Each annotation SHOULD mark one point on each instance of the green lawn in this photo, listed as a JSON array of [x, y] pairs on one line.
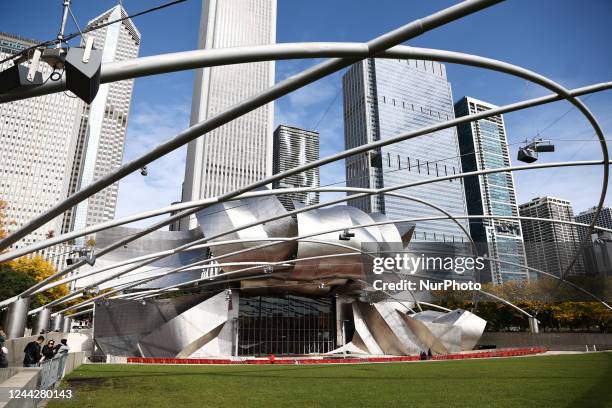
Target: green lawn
[[583, 380]]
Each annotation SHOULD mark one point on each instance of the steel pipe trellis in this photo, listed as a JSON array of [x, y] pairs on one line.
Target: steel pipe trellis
[[323, 69], [310, 75]]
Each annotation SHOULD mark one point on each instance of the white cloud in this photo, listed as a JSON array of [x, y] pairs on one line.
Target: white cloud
[[149, 126]]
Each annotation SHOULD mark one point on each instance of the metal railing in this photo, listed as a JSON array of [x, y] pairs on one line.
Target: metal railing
[[52, 371]]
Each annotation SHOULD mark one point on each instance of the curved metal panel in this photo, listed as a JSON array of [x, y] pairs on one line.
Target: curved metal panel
[[471, 326], [340, 216], [220, 218]]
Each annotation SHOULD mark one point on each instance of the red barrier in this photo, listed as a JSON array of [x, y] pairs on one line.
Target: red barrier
[[349, 360]]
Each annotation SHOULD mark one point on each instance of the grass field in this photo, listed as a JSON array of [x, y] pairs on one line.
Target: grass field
[[581, 380]]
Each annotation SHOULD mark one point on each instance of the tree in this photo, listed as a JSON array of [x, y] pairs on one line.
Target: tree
[[38, 268], [13, 282]]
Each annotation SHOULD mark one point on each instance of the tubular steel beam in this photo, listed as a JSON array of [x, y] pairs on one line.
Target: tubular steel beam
[[297, 81], [422, 53], [204, 58], [467, 60], [43, 285], [151, 258], [477, 61], [144, 280]]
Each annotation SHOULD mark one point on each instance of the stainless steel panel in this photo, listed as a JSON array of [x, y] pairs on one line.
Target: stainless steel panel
[[189, 331], [220, 218]]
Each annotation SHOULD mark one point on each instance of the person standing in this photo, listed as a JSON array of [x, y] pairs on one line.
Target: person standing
[[48, 351], [32, 352], [62, 348]]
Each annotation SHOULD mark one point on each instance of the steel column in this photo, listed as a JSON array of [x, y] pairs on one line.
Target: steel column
[[16, 318], [42, 321]]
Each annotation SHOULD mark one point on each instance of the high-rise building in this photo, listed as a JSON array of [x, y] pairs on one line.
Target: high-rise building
[[483, 145], [550, 246], [604, 219], [38, 137], [100, 145], [383, 98], [294, 147], [239, 152]]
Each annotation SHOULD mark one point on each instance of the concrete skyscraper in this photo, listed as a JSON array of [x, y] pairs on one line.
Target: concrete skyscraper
[[294, 147], [38, 137], [101, 141], [550, 246], [484, 145], [604, 219], [239, 152], [383, 98], [598, 253]]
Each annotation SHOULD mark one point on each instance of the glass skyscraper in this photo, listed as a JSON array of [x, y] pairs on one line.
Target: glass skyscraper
[[383, 98], [484, 145]]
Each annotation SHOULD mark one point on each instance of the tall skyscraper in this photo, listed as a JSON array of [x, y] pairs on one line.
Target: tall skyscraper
[[383, 98], [294, 147], [239, 152], [550, 246], [483, 145], [101, 141], [38, 137], [604, 219]]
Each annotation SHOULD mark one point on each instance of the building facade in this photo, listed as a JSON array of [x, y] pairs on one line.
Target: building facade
[[294, 147], [549, 246], [604, 219], [38, 139], [483, 145], [240, 152], [383, 98], [103, 126]]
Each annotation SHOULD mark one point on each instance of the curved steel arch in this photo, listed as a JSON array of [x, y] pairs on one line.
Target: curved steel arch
[[237, 272], [147, 259], [359, 226], [585, 111], [442, 56], [374, 46], [331, 202], [204, 202], [552, 275], [182, 214], [206, 58], [38, 287], [176, 270], [196, 244], [144, 280]]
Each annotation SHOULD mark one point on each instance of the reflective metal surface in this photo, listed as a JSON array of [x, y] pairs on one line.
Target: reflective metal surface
[[15, 318], [119, 324], [152, 243], [387, 328], [340, 216], [188, 332], [57, 322], [42, 321], [220, 218]]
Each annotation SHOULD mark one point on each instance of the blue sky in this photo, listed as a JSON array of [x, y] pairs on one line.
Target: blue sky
[[567, 41]]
